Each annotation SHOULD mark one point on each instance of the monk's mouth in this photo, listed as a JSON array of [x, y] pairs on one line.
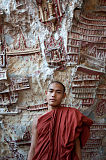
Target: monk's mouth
[[52, 100]]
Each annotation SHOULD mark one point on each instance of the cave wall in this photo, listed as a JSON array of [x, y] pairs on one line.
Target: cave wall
[[42, 41]]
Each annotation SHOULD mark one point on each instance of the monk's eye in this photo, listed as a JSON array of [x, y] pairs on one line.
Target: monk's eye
[[59, 92], [50, 91]]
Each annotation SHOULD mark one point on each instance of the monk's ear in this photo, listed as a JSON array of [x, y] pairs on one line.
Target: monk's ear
[[64, 95], [46, 92]]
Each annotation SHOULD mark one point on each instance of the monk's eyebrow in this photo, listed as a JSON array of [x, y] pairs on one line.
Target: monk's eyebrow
[[59, 90], [50, 89]]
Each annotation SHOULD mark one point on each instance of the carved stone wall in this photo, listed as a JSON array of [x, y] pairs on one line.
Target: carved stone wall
[[41, 41]]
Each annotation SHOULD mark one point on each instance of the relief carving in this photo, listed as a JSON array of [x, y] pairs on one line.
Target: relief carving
[[84, 86], [21, 49], [50, 12], [86, 41], [55, 53]]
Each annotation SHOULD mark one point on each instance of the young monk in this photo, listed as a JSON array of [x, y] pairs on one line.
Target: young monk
[[62, 132]]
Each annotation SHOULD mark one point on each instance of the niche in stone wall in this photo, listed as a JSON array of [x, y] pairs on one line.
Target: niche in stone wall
[[55, 53], [50, 13]]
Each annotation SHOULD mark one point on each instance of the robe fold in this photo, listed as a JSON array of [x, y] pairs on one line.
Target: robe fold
[[57, 131]]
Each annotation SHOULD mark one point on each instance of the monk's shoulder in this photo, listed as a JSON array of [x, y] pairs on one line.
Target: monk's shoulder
[[72, 110], [80, 116], [45, 116], [75, 110]]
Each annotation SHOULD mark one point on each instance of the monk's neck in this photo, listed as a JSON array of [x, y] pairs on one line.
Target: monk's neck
[[50, 108]]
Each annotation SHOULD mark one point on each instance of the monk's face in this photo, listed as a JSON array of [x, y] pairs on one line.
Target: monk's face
[[55, 94]]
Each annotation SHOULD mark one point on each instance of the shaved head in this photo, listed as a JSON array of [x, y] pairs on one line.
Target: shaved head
[[57, 83]]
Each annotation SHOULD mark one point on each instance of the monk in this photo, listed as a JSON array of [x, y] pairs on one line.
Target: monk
[[60, 133]]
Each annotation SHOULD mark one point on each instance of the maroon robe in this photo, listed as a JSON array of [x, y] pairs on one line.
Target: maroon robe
[[57, 131]]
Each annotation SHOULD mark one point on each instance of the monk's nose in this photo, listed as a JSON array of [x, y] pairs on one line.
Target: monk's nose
[[53, 94]]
